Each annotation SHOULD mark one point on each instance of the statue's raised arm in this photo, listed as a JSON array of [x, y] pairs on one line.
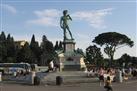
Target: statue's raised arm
[[64, 24], [69, 17]]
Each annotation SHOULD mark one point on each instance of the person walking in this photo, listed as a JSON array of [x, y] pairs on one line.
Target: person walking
[[108, 85]]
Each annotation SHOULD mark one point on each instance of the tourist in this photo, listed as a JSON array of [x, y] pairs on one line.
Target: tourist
[[50, 67], [108, 85], [101, 75], [119, 77], [91, 73]]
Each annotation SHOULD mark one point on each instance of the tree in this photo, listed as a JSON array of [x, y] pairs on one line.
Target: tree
[[94, 56], [3, 48], [134, 62], [34, 46], [60, 45], [25, 54], [47, 50], [56, 46], [2, 37], [112, 41], [11, 52], [125, 60], [80, 51]]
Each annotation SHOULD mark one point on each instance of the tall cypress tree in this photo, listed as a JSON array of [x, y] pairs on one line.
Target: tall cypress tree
[[47, 50], [11, 53], [2, 37], [3, 48], [34, 46], [60, 45], [56, 46]]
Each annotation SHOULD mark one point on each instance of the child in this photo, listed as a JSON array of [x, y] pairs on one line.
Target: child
[[108, 86]]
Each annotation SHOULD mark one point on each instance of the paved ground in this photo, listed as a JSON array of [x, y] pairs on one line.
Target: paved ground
[[76, 81], [126, 86]]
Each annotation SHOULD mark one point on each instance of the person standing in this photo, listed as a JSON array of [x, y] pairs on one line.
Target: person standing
[[101, 76], [119, 77], [51, 65]]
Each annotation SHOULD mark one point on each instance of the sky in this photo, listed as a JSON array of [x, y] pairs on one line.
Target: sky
[[23, 18]]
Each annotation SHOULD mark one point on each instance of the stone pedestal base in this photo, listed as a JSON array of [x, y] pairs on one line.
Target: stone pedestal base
[[71, 63], [69, 60]]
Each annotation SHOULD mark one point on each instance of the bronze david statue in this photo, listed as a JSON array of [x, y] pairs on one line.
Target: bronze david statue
[[64, 24]]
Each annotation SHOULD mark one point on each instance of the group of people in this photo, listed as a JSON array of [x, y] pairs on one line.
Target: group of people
[[108, 75], [52, 67], [19, 73], [106, 79]]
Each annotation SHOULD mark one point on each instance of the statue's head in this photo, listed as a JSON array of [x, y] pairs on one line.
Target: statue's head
[[65, 12]]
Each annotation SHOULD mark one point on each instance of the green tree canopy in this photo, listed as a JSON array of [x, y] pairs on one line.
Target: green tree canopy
[[60, 45], [94, 56], [47, 50], [25, 54], [112, 41], [56, 46], [34, 46], [125, 59], [80, 51], [3, 47], [11, 52], [2, 37]]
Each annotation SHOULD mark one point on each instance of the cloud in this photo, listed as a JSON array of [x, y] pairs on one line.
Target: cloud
[[45, 21], [9, 8], [94, 18], [48, 13], [50, 17], [47, 17], [84, 42]]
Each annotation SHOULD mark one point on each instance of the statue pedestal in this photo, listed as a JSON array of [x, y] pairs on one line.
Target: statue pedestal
[[69, 45], [71, 63], [69, 59]]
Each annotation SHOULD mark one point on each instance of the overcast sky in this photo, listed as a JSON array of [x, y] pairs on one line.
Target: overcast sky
[[22, 18]]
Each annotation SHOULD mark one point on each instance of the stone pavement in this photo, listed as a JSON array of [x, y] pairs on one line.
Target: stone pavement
[[69, 77], [126, 86], [50, 78], [73, 81]]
